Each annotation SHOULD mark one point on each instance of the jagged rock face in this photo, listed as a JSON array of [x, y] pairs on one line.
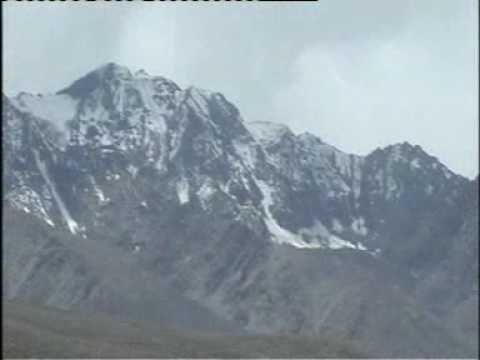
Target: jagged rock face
[[275, 231], [414, 203], [460, 270]]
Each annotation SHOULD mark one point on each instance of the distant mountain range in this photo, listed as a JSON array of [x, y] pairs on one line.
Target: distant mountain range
[[124, 193]]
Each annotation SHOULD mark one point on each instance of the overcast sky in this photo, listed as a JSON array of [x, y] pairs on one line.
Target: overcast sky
[[359, 74]]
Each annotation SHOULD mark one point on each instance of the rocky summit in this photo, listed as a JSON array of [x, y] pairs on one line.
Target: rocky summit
[[126, 194]]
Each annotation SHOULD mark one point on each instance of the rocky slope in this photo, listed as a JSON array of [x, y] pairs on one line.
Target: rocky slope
[[258, 227]]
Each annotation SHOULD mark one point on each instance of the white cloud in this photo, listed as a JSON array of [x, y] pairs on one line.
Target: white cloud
[[372, 93]]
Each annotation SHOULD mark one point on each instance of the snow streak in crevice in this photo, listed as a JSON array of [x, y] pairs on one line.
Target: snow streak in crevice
[[72, 224]]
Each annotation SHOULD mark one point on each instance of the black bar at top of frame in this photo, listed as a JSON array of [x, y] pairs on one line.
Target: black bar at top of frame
[[162, 0]]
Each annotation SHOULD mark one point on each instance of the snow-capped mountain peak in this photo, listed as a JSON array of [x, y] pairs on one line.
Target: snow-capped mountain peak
[[277, 231], [140, 122]]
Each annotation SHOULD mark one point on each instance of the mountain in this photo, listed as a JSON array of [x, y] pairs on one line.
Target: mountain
[[124, 193]]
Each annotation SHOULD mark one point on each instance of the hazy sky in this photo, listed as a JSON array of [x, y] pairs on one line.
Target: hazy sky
[[359, 74]]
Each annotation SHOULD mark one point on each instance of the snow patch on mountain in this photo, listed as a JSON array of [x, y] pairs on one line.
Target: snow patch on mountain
[[267, 133], [358, 226], [72, 224], [183, 191], [279, 234], [148, 93], [198, 99], [58, 109], [25, 199], [334, 243], [446, 172], [397, 151], [247, 153], [113, 70], [142, 74], [132, 170], [206, 191], [337, 226], [326, 239], [315, 237], [98, 192], [415, 164]]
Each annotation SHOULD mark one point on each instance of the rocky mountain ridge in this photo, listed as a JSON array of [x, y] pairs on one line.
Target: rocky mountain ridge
[[259, 225]]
